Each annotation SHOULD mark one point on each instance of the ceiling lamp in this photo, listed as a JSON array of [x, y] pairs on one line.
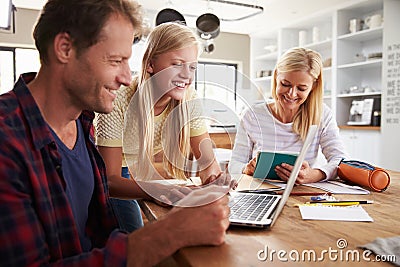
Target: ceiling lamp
[[169, 15], [207, 26]]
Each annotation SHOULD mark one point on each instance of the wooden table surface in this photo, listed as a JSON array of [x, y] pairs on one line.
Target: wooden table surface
[[291, 234]]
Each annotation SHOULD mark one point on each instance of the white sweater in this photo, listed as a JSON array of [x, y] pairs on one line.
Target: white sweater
[[260, 130]]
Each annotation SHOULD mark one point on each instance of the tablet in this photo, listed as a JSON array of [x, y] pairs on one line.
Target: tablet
[[267, 161]]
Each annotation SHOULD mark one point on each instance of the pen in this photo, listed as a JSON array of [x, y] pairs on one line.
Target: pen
[[309, 193], [272, 192], [259, 191], [349, 202]]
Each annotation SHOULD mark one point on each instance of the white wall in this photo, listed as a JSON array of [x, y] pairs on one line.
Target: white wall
[[391, 93], [25, 19]]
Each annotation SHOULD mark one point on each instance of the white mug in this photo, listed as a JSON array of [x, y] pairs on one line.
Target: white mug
[[355, 25], [315, 34], [374, 21], [302, 38]]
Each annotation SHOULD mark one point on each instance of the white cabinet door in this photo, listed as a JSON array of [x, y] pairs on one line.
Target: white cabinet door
[[362, 145], [348, 141]]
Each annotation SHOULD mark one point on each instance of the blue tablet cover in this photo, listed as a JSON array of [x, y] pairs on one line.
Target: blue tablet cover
[[266, 162]]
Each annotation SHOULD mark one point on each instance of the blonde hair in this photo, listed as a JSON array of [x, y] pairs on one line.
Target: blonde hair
[[303, 59], [164, 38]]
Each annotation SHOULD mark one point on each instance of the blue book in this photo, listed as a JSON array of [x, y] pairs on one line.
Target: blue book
[[267, 160]]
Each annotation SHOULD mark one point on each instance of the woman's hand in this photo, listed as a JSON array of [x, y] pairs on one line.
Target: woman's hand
[[250, 167], [305, 176]]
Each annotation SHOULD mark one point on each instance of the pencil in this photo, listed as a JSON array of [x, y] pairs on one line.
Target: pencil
[[331, 204]]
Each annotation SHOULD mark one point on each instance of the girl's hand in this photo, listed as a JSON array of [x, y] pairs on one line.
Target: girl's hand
[[223, 178]]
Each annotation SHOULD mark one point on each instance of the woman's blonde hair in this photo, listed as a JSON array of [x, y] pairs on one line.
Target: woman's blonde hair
[[303, 59], [164, 38]]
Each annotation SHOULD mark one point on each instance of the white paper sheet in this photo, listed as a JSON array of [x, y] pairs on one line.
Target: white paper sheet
[[333, 213], [336, 187]]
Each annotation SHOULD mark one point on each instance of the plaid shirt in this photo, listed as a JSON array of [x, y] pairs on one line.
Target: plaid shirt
[[37, 226]]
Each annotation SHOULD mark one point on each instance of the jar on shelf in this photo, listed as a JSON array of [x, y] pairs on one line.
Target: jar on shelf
[[376, 118]]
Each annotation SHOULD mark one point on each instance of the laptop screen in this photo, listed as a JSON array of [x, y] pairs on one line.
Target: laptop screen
[[296, 169]]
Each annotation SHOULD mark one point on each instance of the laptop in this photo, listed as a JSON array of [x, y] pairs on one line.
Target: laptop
[[262, 210]]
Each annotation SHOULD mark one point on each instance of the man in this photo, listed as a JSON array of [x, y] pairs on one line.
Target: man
[[53, 191]]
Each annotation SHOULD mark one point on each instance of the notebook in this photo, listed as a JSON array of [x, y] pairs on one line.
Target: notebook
[[262, 210], [267, 161]]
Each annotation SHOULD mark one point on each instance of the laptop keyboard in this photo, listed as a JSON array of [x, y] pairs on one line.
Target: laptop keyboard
[[250, 207]]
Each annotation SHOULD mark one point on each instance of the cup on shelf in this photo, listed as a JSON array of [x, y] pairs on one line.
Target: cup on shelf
[[368, 89], [267, 73], [359, 58], [355, 25], [373, 21], [263, 73], [270, 48], [315, 34], [376, 118], [355, 90], [302, 38], [327, 62]]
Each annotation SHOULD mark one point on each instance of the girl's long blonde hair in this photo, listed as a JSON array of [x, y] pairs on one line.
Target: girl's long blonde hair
[[303, 59], [164, 38]]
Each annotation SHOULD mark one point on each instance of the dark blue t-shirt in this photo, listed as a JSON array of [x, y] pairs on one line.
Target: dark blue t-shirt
[[79, 178]]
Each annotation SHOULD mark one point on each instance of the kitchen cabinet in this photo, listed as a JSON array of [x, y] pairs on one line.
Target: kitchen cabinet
[[352, 61], [359, 59], [362, 145], [353, 64], [264, 54]]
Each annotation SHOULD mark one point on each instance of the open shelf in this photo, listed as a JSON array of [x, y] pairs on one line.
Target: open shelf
[[364, 35], [359, 94]]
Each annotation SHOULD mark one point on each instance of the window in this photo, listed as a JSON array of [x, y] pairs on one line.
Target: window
[[7, 69], [217, 81], [15, 61], [26, 60], [216, 84], [135, 61]]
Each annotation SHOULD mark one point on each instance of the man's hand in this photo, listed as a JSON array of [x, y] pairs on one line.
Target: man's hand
[[205, 223], [202, 219]]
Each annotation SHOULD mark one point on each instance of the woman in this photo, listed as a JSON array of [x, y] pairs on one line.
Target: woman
[[157, 116], [282, 125]]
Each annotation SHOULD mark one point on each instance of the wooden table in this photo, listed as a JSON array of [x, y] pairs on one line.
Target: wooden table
[[292, 235]]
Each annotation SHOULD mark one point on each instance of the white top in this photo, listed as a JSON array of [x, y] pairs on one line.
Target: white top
[[260, 130]]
